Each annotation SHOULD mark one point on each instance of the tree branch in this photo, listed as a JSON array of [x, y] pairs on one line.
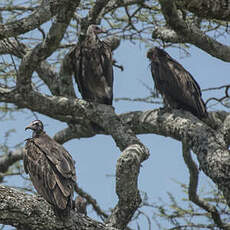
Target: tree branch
[[41, 15], [43, 50], [12, 46], [127, 171], [33, 212], [92, 201], [225, 129], [167, 35], [95, 11], [65, 80], [9, 159], [44, 70], [193, 184], [193, 34], [211, 9]]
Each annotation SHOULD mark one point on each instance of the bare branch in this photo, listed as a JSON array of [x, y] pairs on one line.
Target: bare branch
[[19, 8], [21, 210], [12, 46], [216, 88], [112, 5], [193, 184], [75, 131], [65, 80], [193, 34], [9, 159], [43, 50], [127, 171], [213, 9], [93, 202], [41, 15], [49, 76], [225, 129]]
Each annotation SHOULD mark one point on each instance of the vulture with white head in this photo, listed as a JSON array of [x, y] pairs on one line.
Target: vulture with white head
[[51, 169], [176, 85], [93, 67]]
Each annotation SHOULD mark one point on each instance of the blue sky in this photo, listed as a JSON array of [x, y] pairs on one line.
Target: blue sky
[[96, 157]]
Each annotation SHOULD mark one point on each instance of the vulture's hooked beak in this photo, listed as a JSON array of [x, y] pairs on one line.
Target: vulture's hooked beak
[[30, 126]]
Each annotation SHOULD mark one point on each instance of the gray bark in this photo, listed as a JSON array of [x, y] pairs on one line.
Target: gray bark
[[214, 9], [209, 144], [190, 33], [33, 212]]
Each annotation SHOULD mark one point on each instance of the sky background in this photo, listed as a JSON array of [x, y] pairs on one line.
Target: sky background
[[96, 157]]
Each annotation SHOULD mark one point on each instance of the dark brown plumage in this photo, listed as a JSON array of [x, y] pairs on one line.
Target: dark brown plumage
[[93, 70], [51, 169], [176, 85]]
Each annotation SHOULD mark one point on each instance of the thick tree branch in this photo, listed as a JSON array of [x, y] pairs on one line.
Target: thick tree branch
[[225, 129], [211, 9], [41, 15], [32, 212], [127, 171], [128, 164], [193, 34], [76, 131], [43, 50], [49, 76]]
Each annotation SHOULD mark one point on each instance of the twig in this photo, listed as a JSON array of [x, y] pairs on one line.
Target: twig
[[91, 201], [193, 184]]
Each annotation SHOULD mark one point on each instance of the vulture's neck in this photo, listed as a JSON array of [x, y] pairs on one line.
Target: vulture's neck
[[37, 133], [92, 39]]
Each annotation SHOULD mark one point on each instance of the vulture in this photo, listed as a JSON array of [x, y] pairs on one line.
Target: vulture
[[51, 169], [93, 67], [176, 85]]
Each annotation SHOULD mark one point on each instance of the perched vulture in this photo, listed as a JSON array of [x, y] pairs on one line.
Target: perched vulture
[[80, 205], [51, 169], [93, 69], [176, 85]]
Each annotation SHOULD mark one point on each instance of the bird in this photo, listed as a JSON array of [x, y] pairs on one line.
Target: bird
[[80, 205], [51, 169], [176, 85], [92, 65]]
